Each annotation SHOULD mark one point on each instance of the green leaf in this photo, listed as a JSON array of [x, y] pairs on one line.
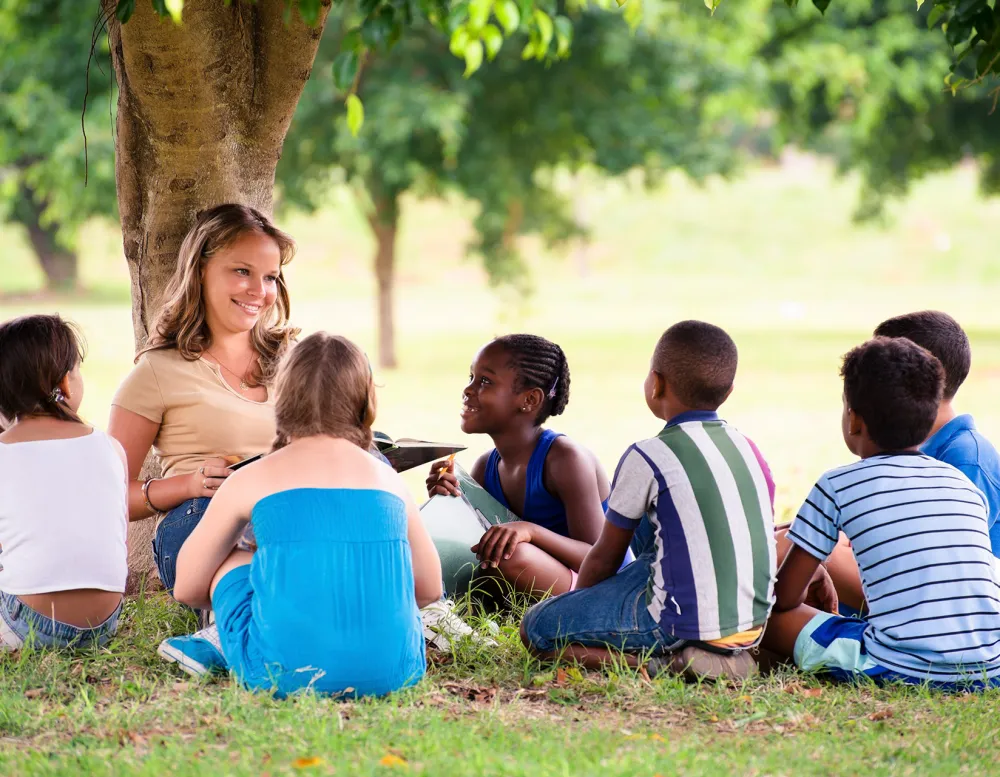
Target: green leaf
[[355, 114], [376, 30], [564, 35], [124, 10], [479, 13], [309, 11], [175, 8], [633, 14], [459, 40], [492, 40], [473, 57], [936, 13], [345, 70], [822, 5], [352, 40], [988, 61], [529, 51], [544, 24], [160, 6], [711, 5], [508, 15], [919, 4]]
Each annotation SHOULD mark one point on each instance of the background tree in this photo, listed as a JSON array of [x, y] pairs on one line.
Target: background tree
[[673, 93], [865, 85], [43, 82]]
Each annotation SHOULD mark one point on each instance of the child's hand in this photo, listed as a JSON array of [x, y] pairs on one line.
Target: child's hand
[[499, 542], [821, 593], [442, 480]]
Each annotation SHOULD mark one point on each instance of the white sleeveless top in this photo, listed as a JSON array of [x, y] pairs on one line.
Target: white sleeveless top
[[63, 516]]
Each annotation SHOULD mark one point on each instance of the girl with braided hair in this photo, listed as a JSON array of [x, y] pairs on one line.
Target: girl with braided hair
[[556, 486]]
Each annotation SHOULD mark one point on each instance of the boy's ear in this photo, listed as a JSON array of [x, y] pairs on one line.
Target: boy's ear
[[659, 384], [855, 423]]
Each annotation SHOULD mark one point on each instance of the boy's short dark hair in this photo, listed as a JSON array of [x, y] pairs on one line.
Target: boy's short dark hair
[[895, 386], [940, 334], [699, 361]]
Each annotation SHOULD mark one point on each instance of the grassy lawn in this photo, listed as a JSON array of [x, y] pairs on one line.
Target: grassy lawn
[[774, 259]]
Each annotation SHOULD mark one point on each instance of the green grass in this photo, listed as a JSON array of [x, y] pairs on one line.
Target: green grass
[[775, 259]]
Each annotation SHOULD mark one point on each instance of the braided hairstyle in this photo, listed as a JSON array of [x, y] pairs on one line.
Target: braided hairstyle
[[539, 363]]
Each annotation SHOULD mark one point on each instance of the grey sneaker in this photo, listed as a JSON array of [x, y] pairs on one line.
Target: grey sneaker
[[693, 663], [442, 626]]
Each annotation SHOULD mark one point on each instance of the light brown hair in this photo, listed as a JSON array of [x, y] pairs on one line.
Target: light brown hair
[[38, 351], [181, 321], [325, 386]]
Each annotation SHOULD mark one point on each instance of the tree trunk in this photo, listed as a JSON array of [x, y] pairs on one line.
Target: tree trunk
[[58, 263], [384, 222], [203, 108]]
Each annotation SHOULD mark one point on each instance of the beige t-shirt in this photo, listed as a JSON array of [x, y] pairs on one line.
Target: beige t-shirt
[[200, 415]]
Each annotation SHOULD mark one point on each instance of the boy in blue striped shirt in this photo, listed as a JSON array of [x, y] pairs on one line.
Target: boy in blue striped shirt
[[918, 531]]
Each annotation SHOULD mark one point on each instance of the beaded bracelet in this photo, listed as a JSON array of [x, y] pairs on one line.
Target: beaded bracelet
[[145, 495]]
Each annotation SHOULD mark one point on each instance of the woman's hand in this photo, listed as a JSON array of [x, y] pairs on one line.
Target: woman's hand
[[499, 542], [205, 481], [442, 480]]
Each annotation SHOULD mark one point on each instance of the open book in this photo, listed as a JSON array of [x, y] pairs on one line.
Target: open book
[[456, 524], [407, 453]]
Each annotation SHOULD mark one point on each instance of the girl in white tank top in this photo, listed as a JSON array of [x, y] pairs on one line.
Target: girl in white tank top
[[64, 514]]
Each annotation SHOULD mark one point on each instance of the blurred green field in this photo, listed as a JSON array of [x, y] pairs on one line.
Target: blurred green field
[[773, 257]]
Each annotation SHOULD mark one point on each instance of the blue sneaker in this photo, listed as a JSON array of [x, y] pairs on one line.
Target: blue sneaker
[[198, 654]]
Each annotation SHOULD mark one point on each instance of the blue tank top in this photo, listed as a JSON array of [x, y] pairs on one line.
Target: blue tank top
[[540, 507], [334, 604]]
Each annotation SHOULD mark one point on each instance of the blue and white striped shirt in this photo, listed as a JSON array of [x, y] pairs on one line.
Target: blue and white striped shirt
[[918, 528]]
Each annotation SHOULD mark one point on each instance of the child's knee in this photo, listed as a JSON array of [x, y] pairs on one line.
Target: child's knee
[[520, 561]]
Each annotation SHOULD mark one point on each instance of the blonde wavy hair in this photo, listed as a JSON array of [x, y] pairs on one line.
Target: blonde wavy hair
[[181, 321], [325, 386]]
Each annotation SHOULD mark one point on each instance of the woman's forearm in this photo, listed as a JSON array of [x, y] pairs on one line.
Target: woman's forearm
[[164, 494]]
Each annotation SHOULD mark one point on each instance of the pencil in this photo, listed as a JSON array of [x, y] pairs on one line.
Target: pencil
[[451, 460]]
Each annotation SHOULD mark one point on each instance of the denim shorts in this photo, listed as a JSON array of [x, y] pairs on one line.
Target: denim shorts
[[611, 614], [173, 530], [19, 624]]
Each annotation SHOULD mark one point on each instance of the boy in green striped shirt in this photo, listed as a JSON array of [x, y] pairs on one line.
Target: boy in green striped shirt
[[696, 505]]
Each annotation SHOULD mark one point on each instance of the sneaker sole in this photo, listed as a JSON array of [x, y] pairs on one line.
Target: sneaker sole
[[189, 665], [693, 665]]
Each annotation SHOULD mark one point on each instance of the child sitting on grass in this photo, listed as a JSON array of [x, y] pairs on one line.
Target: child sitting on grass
[[329, 600], [63, 504], [556, 486], [952, 439], [700, 590], [918, 531]]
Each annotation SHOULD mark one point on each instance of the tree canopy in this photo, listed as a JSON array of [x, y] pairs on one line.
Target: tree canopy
[[865, 85], [44, 81], [670, 94]]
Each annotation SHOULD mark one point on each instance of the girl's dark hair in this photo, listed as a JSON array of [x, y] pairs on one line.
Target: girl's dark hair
[[36, 352], [539, 363]]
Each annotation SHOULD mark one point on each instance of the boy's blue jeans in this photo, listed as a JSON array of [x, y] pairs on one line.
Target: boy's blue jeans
[[610, 614]]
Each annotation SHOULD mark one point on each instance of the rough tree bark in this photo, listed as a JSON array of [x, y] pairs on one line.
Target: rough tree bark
[[58, 263], [203, 109], [384, 223]]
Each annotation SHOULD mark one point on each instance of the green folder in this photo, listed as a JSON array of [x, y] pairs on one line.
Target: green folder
[[456, 524]]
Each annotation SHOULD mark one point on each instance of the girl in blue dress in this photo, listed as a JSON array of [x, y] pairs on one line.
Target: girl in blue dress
[[330, 598]]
